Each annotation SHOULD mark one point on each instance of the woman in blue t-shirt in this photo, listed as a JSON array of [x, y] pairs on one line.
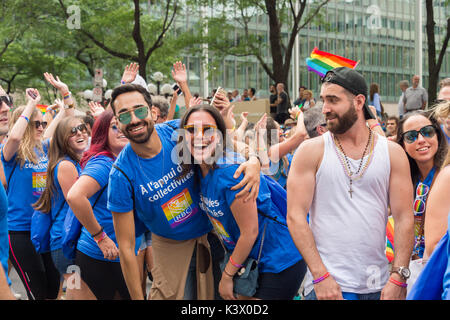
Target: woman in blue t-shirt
[[66, 148], [243, 231], [24, 158], [97, 254]]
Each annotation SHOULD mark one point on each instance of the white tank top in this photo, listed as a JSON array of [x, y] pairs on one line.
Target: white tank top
[[350, 233]]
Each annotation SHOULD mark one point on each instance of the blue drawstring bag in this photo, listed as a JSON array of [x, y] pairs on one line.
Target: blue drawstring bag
[[41, 224], [72, 230], [70, 234]]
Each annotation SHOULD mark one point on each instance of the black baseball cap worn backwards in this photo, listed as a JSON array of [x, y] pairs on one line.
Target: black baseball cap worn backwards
[[352, 81]]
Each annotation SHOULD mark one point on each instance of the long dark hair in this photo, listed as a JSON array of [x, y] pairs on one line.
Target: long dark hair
[[99, 138], [441, 152], [58, 150], [221, 127]]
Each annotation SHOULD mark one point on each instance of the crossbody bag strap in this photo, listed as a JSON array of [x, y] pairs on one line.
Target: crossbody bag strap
[[98, 198], [131, 185], [10, 176]]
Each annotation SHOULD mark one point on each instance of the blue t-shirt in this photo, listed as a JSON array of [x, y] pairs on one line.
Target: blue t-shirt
[[59, 207], [4, 240], [281, 174], [25, 187], [98, 168], [278, 251], [446, 136], [168, 206]]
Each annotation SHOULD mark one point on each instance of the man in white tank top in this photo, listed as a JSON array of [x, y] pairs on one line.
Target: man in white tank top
[[346, 179]]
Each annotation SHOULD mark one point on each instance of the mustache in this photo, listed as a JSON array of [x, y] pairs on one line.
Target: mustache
[[134, 125], [331, 115]]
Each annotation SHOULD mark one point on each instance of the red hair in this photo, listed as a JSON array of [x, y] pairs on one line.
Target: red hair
[[99, 138]]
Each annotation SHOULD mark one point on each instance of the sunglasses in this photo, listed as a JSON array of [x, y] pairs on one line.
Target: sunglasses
[[207, 130], [81, 127], [412, 135], [38, 123], [419, 203], [6, 99], [141, 113]]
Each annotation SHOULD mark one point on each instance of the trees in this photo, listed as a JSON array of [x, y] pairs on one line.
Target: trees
[[434, 65], [294, 14], [122, 30]]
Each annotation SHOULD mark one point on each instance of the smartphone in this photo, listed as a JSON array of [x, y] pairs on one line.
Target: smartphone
[[177, 89]]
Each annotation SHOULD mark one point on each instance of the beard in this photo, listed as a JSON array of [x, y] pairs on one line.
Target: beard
[[344, 122], [142, 138]]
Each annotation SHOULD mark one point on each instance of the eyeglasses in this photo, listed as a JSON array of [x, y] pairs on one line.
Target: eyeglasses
[[38, 123], [207, 130], [419, 202], [141, 113], [6, 99], [412, 135], [81, 127]]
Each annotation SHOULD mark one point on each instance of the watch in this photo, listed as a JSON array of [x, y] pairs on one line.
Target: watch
[[404, 272]]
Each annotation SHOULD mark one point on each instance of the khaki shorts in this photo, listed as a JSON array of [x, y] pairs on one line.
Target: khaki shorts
[[171, 264]]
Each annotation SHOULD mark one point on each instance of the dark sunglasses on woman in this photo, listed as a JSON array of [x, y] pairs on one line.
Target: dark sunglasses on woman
[[81, 127], [412, 135], [38, 123], [6, 99]]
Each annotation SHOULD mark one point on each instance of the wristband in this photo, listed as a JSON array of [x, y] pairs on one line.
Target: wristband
[[225, 271], [102, 237], [398, 283], [374, 125], [26, 118], [98, 233], [316, 281], [122, 82], [67, 95], [236, 265]]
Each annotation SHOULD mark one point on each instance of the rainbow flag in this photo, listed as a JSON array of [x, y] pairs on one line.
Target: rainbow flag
[[42, 107], [321, 62], [390, 239]]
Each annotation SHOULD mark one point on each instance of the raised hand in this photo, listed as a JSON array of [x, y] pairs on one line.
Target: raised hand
[[57, 83], [96, 108], [33, 96], [130, 73], [195, 101], [179, 72]]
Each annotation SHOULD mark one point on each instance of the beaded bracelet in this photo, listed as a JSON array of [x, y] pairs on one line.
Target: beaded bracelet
[[398, 283], [236, 265], [316, 281], [26, 118]]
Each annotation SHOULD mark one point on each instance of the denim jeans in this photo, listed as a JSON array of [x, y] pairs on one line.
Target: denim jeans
[[365, 296]]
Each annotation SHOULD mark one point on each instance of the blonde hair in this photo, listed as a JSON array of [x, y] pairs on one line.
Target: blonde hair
[[441, 110], [28, 144]]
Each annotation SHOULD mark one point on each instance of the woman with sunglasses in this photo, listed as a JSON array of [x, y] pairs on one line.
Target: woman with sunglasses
[[255, 229], [24, 158], [97, 254], [66, 149], [421, 137]]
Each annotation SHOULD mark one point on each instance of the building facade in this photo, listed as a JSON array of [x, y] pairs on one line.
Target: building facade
[[381, 34]]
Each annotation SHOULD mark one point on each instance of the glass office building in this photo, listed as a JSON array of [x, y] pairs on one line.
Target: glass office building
[[381, 34]]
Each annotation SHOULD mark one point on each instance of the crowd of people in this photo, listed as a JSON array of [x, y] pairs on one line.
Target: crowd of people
[[293, 206]]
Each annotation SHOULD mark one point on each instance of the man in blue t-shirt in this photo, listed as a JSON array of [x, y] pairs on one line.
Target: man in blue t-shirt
[[145, 180]]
